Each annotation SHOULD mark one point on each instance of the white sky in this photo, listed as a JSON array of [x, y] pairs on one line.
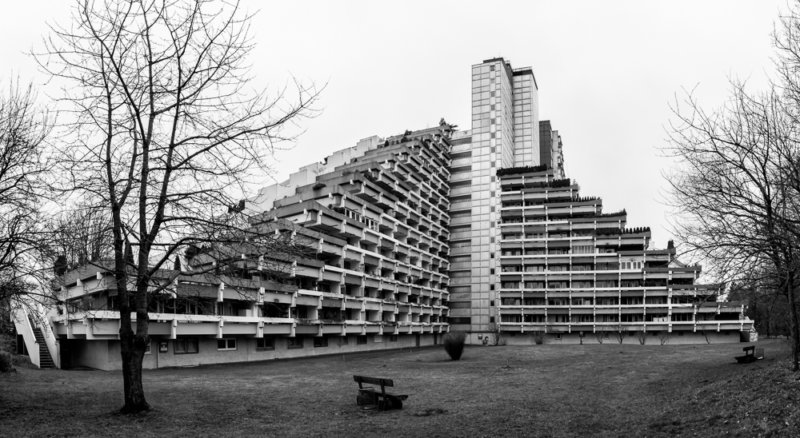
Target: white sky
[[607, 72]]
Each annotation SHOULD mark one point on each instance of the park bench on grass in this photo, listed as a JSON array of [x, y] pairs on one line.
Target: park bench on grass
[[368, 396], [750, 354]]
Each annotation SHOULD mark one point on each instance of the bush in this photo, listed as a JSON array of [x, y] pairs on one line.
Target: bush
[[454, 344], [538, 338], [5, 362]]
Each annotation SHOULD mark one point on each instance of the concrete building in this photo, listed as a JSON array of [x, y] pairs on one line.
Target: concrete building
[[505, 133], [568, 272], [406, 238], [550, 149], [372, 225], [508, 169]]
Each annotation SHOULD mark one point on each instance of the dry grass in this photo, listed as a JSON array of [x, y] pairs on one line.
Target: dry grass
[[543, 390]]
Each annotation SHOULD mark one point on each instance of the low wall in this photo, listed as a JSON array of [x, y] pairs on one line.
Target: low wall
[[105, 355]]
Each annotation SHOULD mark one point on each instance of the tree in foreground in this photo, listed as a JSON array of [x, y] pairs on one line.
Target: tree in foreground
[[738, 188], [165, 136]]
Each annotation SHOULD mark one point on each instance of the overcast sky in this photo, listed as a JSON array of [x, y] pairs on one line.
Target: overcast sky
[[607, 72]]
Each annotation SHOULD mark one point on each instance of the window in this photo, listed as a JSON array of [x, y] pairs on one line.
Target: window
[[147, 348], [343, 340], [186, 346], [294, 342], [226, 344], [360, 340], [459, 320], [392, 338], [320, 342], [263, 344]]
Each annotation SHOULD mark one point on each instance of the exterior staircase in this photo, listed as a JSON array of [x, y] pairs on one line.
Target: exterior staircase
[[45, 360], [39, 340]]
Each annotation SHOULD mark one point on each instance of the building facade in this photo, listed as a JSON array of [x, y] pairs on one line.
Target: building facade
[[372, 273], [404, 239], [505, 133], [569, 272]]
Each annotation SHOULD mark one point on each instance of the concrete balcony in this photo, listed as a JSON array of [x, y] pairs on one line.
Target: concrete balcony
[[637, 326], [105, 325]]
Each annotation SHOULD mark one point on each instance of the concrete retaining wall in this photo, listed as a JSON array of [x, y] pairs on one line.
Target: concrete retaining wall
[[105, 354]]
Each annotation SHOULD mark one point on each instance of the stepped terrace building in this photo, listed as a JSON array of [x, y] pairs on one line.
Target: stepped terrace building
[[568, 272], [406, 238], [373, 220]]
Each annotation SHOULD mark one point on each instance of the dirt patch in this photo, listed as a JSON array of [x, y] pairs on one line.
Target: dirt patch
[[429, 412]]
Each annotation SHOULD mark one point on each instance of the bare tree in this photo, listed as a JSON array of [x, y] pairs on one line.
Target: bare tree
[[620, 334], [732, 190], [23, 130], [80, 235], [601, 335], [641, 336], [766, 303], [167, 134]]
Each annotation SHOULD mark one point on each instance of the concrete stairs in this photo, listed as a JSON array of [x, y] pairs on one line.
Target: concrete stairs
[[45, 360]]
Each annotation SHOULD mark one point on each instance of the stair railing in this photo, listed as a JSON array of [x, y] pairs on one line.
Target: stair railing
[[49, 336], [24, 327]]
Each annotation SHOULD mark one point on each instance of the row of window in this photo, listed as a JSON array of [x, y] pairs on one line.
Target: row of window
[[191, 345]]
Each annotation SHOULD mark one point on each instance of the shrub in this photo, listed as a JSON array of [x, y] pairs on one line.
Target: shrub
[[5, 362], [538, 338], [600, 336], [454, 344]]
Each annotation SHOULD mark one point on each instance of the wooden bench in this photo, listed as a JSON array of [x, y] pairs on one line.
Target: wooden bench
[[368, 396], [749, 354]]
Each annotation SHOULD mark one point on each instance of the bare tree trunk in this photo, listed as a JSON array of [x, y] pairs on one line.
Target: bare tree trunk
[[794, 326], [132, 357]]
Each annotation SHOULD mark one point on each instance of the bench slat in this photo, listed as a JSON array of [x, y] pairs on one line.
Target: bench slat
[[373, 380]]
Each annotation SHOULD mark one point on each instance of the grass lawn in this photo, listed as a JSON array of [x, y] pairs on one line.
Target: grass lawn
[[544, 390]]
